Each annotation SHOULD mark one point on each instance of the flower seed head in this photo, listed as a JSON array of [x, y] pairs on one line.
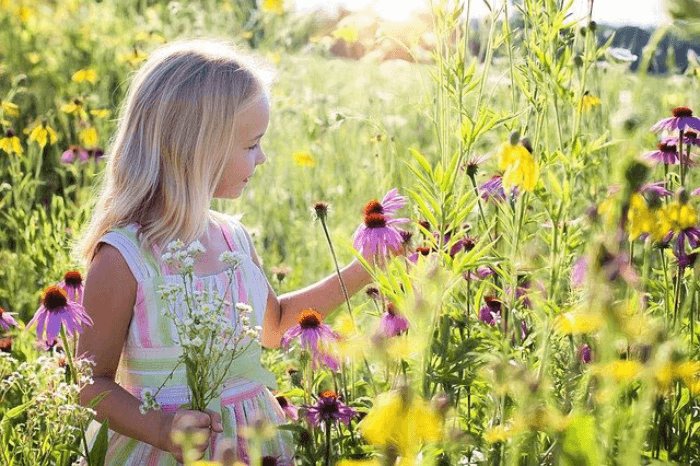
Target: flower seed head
[[9, 133], [514, 138], [321, 210], [329, 394], [73, 278], [682, 112], [375, 220], [310, 319], [6, 345], [391, 309], [373, 207], [371, 291], [54, 298]]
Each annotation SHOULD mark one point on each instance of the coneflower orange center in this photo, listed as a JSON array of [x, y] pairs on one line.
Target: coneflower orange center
[[681, 112], [329, 394], [375, 220], [493, 302], [320, 206], [663, 147], [391, 309], [6, 344], [373, 207], [282, 401], [55, 298], [423, 251], [73, 278], [309, 319], [691, 134]]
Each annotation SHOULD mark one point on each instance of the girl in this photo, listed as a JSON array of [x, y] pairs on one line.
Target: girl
[[190, 131]]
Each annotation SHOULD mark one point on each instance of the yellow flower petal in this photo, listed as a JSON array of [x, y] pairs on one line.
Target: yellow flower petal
[[304, 159], [577, 323], [10, 109], [85, 75], [349, 34], [100, 112], [273, 6], [88, 137]]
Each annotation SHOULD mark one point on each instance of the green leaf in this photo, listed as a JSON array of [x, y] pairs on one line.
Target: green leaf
[[99, 448]]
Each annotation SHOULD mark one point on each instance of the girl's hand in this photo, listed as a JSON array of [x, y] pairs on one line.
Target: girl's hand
[[197, 425]]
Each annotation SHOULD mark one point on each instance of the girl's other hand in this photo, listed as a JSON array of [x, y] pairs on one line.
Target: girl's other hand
[[197, 425]]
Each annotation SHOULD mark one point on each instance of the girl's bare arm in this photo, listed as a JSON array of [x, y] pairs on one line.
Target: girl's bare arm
[[324, 296], [109, 298]]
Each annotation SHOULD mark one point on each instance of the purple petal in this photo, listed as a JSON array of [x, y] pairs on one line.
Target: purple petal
[[289, 335]]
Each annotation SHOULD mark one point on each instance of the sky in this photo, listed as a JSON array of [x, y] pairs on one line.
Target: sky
[[612, 12]]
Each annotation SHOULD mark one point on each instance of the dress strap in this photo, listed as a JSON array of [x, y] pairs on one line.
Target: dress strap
[[235, 237], [142, 265]]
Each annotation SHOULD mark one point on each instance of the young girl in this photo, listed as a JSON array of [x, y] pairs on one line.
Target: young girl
[[190, 131]]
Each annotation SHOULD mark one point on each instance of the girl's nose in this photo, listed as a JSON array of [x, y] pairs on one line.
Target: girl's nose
[[261, 158]]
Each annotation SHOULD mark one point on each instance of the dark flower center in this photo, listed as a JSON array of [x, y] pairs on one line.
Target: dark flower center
[[469, 243], [328, 408], [269, 461], [682, 112], [1, 311], [6, 345], [375, 220], [55, 298], [283, 401], [320, 206], [406, 236], [493, 303], [73, 278], [77, 102], [691, 134], [372, 292], [9, 133], [663, 147], [309, 319], [391, 309], [423, 251], [373, 207], [425, 224], [61, 361], [329, 394]]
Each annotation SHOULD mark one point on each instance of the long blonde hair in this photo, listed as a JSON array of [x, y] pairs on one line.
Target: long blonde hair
[[176, 129]]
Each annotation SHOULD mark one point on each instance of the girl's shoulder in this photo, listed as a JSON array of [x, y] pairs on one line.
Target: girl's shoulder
[[239, 233], [125, 239]]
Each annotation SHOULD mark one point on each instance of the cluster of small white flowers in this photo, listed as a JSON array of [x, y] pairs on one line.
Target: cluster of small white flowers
[[148, 401], [181, 258], [231, 258]]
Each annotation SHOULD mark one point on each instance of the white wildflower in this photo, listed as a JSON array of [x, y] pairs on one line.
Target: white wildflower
[[174, 245], [232, 259], [195, 248]]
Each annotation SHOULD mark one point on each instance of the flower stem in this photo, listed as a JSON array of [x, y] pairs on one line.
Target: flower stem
[[328, 443], [74, 377], [337, 269]]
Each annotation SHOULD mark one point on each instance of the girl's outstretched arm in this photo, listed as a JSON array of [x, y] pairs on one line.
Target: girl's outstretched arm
[[324, 296]]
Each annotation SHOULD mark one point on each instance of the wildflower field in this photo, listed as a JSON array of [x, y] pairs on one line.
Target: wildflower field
[[545, 308]]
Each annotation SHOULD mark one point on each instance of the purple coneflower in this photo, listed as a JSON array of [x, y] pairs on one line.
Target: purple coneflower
[[420, 251], [73, 285], [692, 236], [657, 188], [665, 153], [681, 120], [6, 319], [690, 138], [315, 338], [73, 152], [329, 409], [392, 323], [377, 234], [491, 313], [473, 163], [579, 272], [55, 310], [493, 189], [584, 354], [291, 411], [392, 202]]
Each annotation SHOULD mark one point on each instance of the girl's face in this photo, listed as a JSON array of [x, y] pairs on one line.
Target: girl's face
[[240, 166]]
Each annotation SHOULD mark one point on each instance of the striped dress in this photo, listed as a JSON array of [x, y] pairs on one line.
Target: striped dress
[[151, 352]]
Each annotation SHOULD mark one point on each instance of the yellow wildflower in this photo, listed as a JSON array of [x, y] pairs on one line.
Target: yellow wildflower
[[75, 107], [690, 373], [304, 159], [85, 75], [621, 371], [100, 112], [501, 433], [640, 218], [41, 134], [349, 34], [134, 58], [25, 13], [579, 323], [403, 424], [33, 58], [142, 36], [275, 58], [10, 143], [519, 166], [676, 217], [10, 109], [587, 102], [207, 463], [88, 136], [247, 35], [273, 6]]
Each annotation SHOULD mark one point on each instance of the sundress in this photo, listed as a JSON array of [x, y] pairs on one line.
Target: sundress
[[151, 351]]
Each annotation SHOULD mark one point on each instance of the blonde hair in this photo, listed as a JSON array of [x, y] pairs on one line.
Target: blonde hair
[[176, 129]]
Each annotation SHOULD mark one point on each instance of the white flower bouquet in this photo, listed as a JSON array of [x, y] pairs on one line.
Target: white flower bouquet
[[210, 339]]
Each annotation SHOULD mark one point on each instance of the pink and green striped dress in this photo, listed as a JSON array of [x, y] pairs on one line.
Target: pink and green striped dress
[[151, 352]]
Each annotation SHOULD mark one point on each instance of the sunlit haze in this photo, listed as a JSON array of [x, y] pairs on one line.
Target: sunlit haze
[[613, 12]]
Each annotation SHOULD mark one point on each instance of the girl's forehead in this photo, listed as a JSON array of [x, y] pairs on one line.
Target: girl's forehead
[[252, 122]]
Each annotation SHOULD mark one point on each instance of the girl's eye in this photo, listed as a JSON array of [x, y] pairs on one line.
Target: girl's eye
[[254, 147]]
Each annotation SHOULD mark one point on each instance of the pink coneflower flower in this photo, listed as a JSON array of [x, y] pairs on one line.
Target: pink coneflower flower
[[473, 163], [392, 202], [315, 338], [291, 411], [73, 152], [585, 354], [73, 285], [57, 310], [690, 138], [492, 190], [579, 272], [6, 319], [377, 234], [692, 237], [96, 154], [681, 120], [491, 313], [665, 153], [329, 409], [657, 188], [393, 323]]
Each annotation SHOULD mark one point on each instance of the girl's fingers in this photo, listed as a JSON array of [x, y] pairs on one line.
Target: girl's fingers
[[216, 424]]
